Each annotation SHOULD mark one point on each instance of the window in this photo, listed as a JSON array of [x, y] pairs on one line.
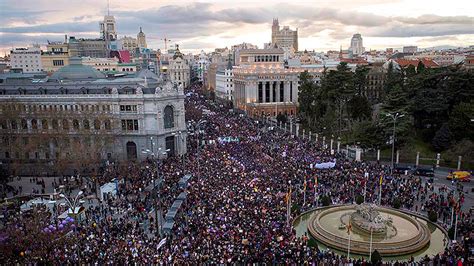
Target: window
[[107, 125], [34, 124], [58, 62], [44, 124], [75, 124], [65, 124], [3, 124], [130, 125], [169, 117], [86, 124], [14, 124], [24, 124], [96, 124], [55, 124]]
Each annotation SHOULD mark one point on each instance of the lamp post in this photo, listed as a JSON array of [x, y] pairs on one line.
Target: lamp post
[[72, 203], [394, 117]]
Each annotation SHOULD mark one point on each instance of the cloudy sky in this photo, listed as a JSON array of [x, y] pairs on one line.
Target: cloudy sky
[[322, 25]]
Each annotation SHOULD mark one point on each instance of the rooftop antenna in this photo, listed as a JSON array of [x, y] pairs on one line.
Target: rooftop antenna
[[108, 7]]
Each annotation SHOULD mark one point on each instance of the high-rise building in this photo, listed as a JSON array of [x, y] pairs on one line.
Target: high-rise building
[[130, 44], [108, 29], [141, 39], [28, 60], [284, 38], [357, 47]]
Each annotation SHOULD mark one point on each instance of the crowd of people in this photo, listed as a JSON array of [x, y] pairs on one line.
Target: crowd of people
[[236, 208]]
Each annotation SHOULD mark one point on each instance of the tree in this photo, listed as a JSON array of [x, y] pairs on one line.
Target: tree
[[460, 121], [282, 118], [326, 200], [358, 108], [359, 199], [433, 216], [360, 79], [376, 258], [393, 78], [396, 203], [442, 139]]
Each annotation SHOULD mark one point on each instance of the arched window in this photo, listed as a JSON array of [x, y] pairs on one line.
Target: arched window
[[107, 125], [55, 124], [169, 116], [34, 124], [14, 124], [65, 124], [44, 124], [75, 124], [96, 124], [24, 124], [86, 124]]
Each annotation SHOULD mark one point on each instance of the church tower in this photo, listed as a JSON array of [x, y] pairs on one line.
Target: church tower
[[275, 29], [141, 39]]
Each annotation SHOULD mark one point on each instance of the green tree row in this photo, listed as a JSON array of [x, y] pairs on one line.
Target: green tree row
[[437, 104]]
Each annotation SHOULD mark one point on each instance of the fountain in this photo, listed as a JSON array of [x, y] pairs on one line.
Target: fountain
[[392, 232]]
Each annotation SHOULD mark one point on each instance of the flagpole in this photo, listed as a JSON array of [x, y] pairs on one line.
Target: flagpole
[[304, 193], [380, 191], [349, 245], [370, 250], [365, 184]]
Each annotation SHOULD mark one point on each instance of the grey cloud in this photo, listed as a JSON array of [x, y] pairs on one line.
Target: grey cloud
[[55, 28], [422, 30]]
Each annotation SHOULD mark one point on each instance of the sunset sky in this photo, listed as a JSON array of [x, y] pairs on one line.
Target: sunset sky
[[322, 25]]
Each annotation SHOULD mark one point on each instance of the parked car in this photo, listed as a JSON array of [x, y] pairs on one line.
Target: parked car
[[424, 172], [402, 169], [462, 176]]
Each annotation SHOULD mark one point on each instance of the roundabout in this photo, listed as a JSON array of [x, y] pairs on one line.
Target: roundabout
[[394, 234]]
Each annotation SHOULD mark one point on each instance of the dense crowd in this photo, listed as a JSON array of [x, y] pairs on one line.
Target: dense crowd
[[236, 209]]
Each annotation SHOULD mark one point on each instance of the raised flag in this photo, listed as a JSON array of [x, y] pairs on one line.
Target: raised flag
[[304, 185], [349, 227], [315, 181], [381, 179], [162, 242]]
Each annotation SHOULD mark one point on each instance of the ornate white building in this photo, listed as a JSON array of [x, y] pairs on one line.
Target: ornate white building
[[202, 65], [262, 84], [225, 82], [357, 46], [179, 70], [45, 122]]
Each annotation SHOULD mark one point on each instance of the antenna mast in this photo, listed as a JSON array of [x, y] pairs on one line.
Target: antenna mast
[[108, 7]]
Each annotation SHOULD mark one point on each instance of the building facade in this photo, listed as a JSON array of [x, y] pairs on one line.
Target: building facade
[[78, 117], [262, 84], [55, 56], [109, 65], [374, 88], [284, 38], [225, 83], [179, 70], [141, 39], [357, 46], [28, 60], [87, 47], [202, 66]]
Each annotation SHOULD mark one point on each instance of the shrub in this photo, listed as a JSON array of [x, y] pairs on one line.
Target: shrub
[[376, 258], [396, 203], [433, 216], [312, 243], [359, 199], [326, 200]]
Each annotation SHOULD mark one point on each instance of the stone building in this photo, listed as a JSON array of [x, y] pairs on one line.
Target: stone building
[[225, 82], [262, 84], [55, 56], [357, 46], [179, 70], [87, 47], [28, 60], [284, 38], [78, 119], [374, 88]]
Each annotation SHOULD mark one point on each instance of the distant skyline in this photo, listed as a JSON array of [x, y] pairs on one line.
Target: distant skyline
[[322, 25]]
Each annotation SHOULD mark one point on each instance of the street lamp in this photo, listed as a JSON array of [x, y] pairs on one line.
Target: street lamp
[[72, 204], [394, 117]]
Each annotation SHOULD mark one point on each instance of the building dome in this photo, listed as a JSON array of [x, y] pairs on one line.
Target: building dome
[[77, 71]]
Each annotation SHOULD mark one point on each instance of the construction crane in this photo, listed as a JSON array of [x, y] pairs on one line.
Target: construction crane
[[166, 43]]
